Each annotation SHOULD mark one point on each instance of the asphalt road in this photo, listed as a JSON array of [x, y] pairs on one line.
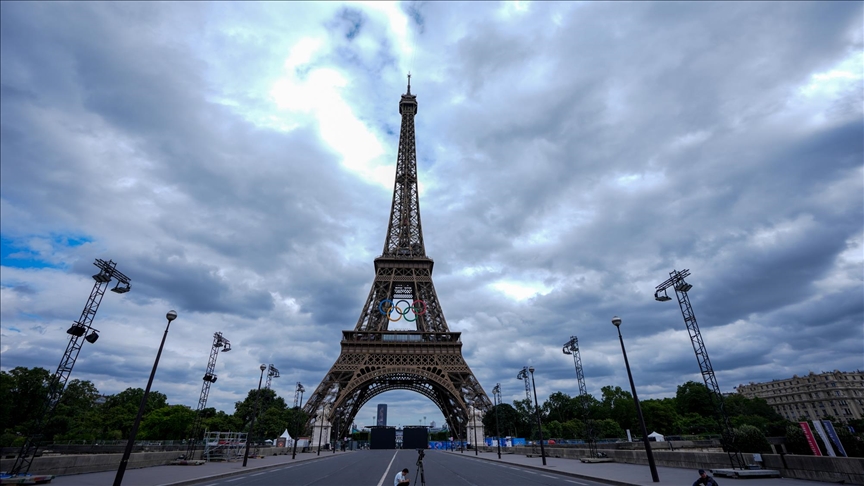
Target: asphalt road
[[378, 467]]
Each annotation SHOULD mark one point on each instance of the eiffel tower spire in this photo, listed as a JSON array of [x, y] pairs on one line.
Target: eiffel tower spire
[[404, 232], [401, 340]]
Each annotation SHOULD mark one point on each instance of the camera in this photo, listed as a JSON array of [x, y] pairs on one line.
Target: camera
[[420, 455]]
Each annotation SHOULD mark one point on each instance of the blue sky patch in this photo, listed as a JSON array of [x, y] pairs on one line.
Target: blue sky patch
[[17, 254]]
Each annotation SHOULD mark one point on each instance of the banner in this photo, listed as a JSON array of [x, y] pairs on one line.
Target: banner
[[811, 441], [818, 426], [829, 427]]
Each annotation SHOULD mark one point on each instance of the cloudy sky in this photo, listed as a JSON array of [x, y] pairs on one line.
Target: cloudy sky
[[237, 161]]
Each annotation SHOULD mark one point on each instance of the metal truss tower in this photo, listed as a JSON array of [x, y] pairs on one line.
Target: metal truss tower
[[219, 344], [572, 347], [523, 375], [681, 287], [401, 340], [81, 327], [298, 395], [272, 372]]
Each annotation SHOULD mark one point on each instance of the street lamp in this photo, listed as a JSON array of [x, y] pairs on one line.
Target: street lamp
[[252, 422], [537, 408], [320, 432], [496, 394], [474, 421], [617, 322], [296, 429], [118, 479]]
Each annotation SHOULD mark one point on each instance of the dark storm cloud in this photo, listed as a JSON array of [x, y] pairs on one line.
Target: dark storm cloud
[[580, 150]]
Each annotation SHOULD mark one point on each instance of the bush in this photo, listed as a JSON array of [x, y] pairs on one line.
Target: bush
[[750, 439]]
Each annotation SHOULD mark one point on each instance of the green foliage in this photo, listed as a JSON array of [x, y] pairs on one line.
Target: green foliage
[[693, 397], [608, 429], [219, 422], [751, 439], [796, 441], [560, 407], [24, 397], [695, 424], [442, 435], [660, 415], [620, 407], [509, 420], [853, 445], [173, 422]]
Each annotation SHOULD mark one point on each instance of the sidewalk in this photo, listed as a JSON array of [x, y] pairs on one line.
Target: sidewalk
[[623, 474], [606, 472], [181, 475]]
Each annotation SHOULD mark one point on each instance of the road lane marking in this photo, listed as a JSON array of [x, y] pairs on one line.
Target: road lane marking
[[576, 482], [548, 476], [388, 469], [258, 474], [236, 479]]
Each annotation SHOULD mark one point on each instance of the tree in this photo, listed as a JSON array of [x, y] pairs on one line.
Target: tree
[[219, 422], [120, 410], [173, 422], [608, 429], [24, 397], [660, 415], [693, 397], [509, 420], [620, 406], [751, 439], [559, 406], [76, 416]]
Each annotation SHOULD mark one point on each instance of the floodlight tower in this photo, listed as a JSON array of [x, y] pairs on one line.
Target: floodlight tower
[[272, 372], [107, 271], [523, 375], [219, 343], [681, 287], [298, 395], [572, 347]]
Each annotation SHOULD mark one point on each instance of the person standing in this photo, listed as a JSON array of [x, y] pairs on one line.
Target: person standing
[[401, 478], [705, 479]]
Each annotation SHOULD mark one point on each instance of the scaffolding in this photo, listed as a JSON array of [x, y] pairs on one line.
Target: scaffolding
[[224, 446]]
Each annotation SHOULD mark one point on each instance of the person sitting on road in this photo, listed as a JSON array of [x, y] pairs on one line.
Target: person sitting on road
[[401, 478], [705, 479]]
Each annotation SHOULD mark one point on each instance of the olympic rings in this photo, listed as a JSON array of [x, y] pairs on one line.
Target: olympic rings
[[417, 308]]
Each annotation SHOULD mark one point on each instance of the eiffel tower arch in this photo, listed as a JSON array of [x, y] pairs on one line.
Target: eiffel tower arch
[[425, 358]]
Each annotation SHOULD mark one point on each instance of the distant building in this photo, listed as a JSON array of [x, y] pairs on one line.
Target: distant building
[[836, 393], [382, 415]]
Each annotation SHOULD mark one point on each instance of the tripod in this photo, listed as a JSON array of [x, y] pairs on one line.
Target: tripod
[[420, 471]]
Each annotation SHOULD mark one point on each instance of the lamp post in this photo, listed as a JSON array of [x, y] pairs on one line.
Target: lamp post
[[252, 422], [474, 421], [296, 431], [320, 432], [617, 322], [118, 479], [495, 393], [537, 409]]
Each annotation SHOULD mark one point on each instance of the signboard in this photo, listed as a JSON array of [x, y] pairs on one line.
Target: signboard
[[829, 427], [811, 441], [818, 426], [382, 415]]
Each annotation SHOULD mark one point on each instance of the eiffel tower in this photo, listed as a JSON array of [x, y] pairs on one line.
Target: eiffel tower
[[426, 359]]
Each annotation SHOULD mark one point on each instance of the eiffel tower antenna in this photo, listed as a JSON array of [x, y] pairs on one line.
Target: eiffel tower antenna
[[425, 358]]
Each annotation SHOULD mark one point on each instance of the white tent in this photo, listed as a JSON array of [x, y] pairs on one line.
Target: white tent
[[657, 436], [288, 440]]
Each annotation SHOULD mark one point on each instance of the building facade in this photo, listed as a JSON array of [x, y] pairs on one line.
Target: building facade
[[839, 394]]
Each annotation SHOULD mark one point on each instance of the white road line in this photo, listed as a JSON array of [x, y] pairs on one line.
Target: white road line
[[259, 474], [388, 470], [548, 476], [576, 482], [235, 479]]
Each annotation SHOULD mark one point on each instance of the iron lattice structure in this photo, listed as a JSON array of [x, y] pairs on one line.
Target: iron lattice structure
[[681, 287], [523, 375], [272, 372], [80, 328], [219, 344], [298, 395], [427, 358], [572, 347]]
